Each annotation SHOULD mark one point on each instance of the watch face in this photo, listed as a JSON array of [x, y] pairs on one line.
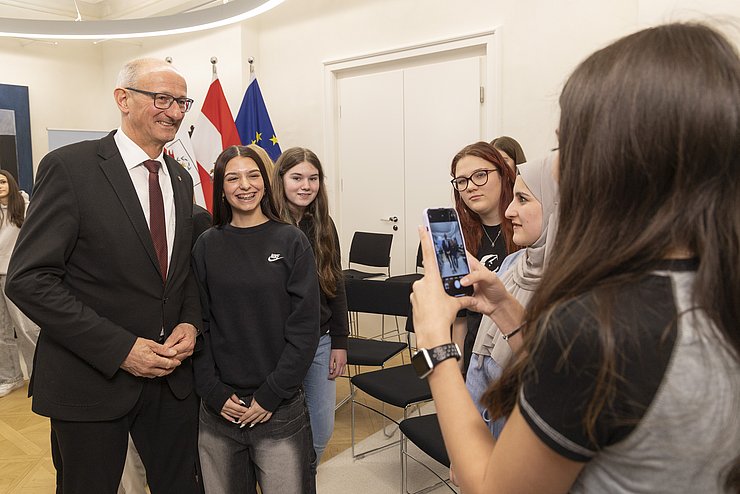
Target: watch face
[[422, 363]]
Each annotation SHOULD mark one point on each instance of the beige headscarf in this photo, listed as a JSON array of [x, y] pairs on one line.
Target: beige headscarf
[[524, 276]]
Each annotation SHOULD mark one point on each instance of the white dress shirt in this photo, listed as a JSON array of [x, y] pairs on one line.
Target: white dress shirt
[[134, 157]]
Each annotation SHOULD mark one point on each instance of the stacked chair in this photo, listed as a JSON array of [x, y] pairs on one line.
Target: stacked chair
[[368, 296], [425, 433], [397, 386]]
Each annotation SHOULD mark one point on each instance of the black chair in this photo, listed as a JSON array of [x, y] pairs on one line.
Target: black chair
[[369, 249], [372, 297], [425, 433], [367, 352], [411, 277], [397, 386], [382, 297]]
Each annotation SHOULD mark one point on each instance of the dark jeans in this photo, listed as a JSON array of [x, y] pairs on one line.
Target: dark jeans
[[276, 454]]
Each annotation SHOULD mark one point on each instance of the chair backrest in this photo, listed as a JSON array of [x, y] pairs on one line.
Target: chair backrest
[[371, 249], [378, 297], [419, 258]]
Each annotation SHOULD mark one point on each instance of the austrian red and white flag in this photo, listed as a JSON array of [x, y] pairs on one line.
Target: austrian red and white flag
[[214, 131], [181, 149]]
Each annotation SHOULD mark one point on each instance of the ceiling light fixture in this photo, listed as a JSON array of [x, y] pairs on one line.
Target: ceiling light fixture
[[187, 22], [79, 16]]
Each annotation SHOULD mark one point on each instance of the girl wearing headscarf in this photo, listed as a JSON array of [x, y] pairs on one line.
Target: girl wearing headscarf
[[533, 215]]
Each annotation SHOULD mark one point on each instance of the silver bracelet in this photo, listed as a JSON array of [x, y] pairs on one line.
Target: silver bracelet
[[513, 332]]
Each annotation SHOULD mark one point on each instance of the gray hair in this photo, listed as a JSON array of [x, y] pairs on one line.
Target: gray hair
[[131, 71]]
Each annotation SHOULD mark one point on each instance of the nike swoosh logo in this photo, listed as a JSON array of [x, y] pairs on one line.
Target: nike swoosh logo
[[274, 257]]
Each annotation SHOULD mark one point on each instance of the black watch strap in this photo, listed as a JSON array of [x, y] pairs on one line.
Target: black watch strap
[[443, 352], [425, 360]]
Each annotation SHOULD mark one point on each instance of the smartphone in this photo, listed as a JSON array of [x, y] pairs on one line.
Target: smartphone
[[449, 249]]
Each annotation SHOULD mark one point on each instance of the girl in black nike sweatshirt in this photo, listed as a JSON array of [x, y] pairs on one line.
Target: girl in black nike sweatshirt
[[260, 297]]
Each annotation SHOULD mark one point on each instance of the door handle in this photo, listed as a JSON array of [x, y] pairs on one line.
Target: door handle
[[392, 219]]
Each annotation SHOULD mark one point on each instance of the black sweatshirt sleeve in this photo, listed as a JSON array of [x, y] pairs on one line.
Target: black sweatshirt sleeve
[[207, 381], [339, 323]]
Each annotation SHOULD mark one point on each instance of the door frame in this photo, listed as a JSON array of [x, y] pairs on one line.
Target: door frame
[[484, 44]]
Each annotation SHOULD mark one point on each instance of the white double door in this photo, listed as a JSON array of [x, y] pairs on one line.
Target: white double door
[[398, 131]]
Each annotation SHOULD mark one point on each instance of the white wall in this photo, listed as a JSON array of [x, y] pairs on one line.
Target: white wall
[[541, 42], [191, 54], [70, 84], [64, 90]]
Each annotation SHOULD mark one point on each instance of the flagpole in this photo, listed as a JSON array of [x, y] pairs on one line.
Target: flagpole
[[251, 65], [214, 61]]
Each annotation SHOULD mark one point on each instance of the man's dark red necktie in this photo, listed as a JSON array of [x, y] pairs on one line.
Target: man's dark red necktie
[[156, 215]]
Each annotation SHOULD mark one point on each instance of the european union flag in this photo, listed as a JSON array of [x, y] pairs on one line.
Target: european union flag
[[253, 122]]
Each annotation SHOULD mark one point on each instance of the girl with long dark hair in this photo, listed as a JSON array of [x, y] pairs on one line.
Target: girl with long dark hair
[[628, 378], [260, 298]]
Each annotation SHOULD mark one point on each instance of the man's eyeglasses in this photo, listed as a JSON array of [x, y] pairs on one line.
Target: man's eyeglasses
[[479, 178], [163, 101]]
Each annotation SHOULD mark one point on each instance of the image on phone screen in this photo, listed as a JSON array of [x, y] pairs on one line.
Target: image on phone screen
[[449, 249]]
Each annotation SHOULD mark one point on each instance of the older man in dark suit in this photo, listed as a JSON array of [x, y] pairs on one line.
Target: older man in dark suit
[[102, 265]]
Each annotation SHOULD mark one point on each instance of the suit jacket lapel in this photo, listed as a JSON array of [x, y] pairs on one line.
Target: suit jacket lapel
[[183, 207], [119, 178]]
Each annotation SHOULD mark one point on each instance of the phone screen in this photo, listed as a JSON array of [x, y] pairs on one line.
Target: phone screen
[[449, 249]]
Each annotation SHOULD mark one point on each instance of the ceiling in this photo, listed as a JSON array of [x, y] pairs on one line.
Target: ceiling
[[99, 9]]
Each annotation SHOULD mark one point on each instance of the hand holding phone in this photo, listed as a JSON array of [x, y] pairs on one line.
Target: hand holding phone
[[449, 249]]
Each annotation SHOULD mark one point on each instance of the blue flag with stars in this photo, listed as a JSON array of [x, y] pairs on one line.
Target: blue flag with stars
[[253, 122]]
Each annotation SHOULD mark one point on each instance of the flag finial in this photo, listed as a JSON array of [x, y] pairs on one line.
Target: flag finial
[[168, 59], [214, 61], [251, 65]]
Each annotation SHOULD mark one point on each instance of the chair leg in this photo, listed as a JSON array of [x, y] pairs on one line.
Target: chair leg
[[358, 456], [404, 464], [352, 414], [349, 395], [354, 323]]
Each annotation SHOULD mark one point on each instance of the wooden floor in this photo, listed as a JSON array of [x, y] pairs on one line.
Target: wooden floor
[[25, 455]]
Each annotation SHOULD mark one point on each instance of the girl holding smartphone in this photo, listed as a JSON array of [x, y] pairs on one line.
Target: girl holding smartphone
[[628, 376]]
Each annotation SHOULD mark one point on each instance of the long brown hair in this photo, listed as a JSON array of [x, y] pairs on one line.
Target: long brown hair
[[16, 203], [470, 222], [221, 207], [648, 133], [325, 246]]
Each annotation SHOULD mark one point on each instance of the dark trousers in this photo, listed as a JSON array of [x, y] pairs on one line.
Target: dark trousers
[[89, 456]]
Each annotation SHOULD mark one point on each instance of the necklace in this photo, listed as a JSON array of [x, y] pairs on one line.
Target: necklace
[[493, 242]]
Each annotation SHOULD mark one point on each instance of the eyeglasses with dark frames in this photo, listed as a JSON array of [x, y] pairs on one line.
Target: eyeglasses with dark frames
[[478, 177], [163, 100]]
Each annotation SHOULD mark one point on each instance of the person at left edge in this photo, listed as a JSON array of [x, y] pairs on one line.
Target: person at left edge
[[116, 300]]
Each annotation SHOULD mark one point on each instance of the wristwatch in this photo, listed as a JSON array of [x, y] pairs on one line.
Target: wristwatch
[[424, 360]]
